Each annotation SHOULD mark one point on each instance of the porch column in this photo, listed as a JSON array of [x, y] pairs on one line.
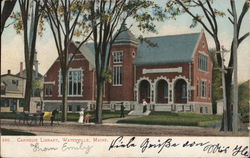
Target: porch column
[[152, 93]]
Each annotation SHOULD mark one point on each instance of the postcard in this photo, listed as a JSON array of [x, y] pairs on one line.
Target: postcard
[[125, 78]]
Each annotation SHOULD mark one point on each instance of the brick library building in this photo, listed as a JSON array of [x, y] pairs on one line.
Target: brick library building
[[173, 75]]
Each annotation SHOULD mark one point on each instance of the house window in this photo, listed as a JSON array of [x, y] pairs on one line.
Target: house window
[[133, 54], [117, 75], [203, 88], [209, 91], [15, 82], [21, 102], [184, 91], [74, 83], [3, 90], [203, 62], [70, 108], [78, 108], [165, 90], [48, 89], [117, 57], [4, 102], [197, 89]]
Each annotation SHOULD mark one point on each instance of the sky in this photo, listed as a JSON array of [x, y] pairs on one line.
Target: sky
[[12, 43]]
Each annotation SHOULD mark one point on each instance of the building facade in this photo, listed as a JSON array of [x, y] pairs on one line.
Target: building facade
[[12, 92], [173, 73]]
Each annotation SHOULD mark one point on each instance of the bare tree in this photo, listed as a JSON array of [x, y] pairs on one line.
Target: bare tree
[[32, 9], [208, 19], [107, 21], [8, 7], [64, 17]]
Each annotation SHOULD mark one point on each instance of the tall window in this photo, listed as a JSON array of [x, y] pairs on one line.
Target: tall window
[[117, 57], [117, 75], [203, 62], [165, 90], [48, 89], [74, 83], [197, 89], [203, 89], [184, 91], [209, 91], [70, 108]]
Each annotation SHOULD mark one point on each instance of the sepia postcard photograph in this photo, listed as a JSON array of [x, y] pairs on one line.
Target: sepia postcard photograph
[[125, 78]]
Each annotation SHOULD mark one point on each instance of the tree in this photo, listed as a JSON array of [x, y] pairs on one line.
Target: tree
[[8, 7], [208, 19], [64, 16], [28, 21], [216, 80], [108, 19]]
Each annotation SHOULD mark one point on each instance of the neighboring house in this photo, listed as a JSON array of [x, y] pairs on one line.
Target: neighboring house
[[175, 75], [12, 92]]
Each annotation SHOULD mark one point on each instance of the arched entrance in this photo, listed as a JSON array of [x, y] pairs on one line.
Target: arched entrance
[[144, 91], [162, 91], [180, 91]]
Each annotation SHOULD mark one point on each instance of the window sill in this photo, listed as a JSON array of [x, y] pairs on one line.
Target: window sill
[[71, 95], [117, 85], [203, 71]]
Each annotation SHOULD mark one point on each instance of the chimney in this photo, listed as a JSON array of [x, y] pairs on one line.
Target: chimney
[[21, 69], [9, 72]]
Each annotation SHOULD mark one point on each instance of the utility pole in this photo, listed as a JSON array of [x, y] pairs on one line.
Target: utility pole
[[235, 69]]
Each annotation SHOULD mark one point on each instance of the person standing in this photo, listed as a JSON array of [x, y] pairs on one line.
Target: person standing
[[81, 118], [87, 118], [53, 116], [122, 110], [144, 103]]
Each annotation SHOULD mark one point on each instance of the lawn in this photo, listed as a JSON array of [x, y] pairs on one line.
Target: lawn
[[71, 116], [15, 132], [178, 119]]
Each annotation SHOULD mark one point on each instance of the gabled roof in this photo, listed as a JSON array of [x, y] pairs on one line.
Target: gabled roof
[[12, 75], [88, 52], [169, 50], [33, 73]]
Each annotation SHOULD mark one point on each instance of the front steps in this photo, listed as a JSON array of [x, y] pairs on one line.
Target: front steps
[[138, 111]]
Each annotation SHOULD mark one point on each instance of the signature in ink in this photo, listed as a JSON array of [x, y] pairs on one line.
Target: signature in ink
[[120, 143], [36, 147]]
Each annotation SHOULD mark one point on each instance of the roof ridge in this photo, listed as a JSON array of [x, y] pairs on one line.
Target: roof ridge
[[174, 35]]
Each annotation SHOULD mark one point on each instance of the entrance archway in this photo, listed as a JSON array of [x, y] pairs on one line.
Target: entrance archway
[[180, 91], [144, 91], [162, 91]]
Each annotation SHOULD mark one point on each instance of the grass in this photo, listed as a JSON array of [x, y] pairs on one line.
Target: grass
[[71, 116], [179, 119], [155, 118], [15, 132]]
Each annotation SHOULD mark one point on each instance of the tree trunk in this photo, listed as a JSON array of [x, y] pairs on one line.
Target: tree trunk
[[28, 89], [99, 101], [64, 95], [228, 80]]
